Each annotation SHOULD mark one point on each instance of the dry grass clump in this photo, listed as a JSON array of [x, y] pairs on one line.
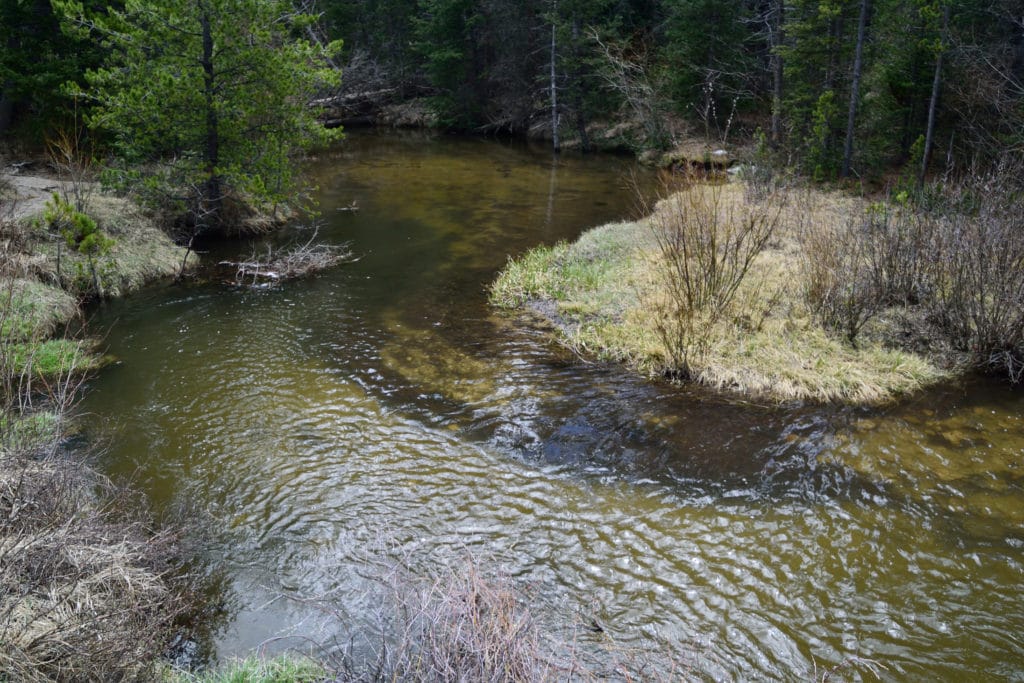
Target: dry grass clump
[[31, 309], [464, 628], [458, 626], [83, 595], [463, 625]]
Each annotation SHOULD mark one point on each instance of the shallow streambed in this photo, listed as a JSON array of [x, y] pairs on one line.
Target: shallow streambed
[[383, 414]]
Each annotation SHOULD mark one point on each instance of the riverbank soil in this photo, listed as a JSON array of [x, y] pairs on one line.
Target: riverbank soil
[[610, 295]]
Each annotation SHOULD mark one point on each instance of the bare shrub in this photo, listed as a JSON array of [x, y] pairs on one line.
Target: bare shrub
[[463, 625], [838, 288], [897, 244], [878, 258], [73, 162], [465, 628], [979, 260], [706, 244]]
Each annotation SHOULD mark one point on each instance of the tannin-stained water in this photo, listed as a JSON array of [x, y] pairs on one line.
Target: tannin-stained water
[[383, 414]]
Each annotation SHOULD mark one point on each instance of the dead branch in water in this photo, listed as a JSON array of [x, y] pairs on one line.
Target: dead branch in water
[[295, 262]]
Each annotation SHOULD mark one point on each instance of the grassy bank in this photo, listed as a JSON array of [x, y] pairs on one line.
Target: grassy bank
[[48, 270], [616, 294], [88, 591]]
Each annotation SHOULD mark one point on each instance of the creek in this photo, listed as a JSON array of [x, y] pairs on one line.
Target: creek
[[382, 415]]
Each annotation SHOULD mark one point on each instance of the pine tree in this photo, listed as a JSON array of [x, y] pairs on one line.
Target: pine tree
[[215, 91]]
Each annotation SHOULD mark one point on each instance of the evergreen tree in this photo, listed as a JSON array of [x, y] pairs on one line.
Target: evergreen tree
[[217, 91], [35, 61], [705, 53]]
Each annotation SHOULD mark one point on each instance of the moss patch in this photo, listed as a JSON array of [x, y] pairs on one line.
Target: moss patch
[[603, 293], [51, 358]]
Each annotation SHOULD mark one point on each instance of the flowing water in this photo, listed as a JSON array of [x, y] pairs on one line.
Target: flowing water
[[381, 414]]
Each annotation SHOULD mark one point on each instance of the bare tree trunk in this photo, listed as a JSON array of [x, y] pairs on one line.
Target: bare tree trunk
[[555, 142], [776, 42], [933, 101], [212, 186], [858, 62]]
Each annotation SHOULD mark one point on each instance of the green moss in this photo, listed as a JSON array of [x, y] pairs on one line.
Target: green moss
[[285, 669]]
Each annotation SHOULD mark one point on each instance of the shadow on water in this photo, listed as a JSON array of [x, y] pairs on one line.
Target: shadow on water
[[382, 413]]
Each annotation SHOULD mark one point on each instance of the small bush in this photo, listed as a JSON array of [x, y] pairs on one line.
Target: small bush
[[979, 262], [706, 246], [897, 241], [81, 233], [837, 280]]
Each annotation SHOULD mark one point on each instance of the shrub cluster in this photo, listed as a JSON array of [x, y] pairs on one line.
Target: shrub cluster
[[955, 254]]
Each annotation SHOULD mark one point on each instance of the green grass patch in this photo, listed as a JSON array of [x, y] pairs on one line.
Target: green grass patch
[[284, 669], [33, 310], [568, 273], [51, 358], [27, 433]]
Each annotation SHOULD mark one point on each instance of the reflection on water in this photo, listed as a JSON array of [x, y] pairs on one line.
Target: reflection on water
[[382, 413]]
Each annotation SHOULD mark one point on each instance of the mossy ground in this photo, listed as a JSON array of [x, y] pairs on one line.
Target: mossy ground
[[603, 292]]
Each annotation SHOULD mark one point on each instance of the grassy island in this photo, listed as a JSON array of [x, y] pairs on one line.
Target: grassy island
[[784, 294]]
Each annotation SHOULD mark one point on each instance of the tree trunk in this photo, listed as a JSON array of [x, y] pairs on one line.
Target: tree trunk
[[555, 142], [6, 109], [776, 43], [851, 118], [933, 101], [211, 200], [581, 118]]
